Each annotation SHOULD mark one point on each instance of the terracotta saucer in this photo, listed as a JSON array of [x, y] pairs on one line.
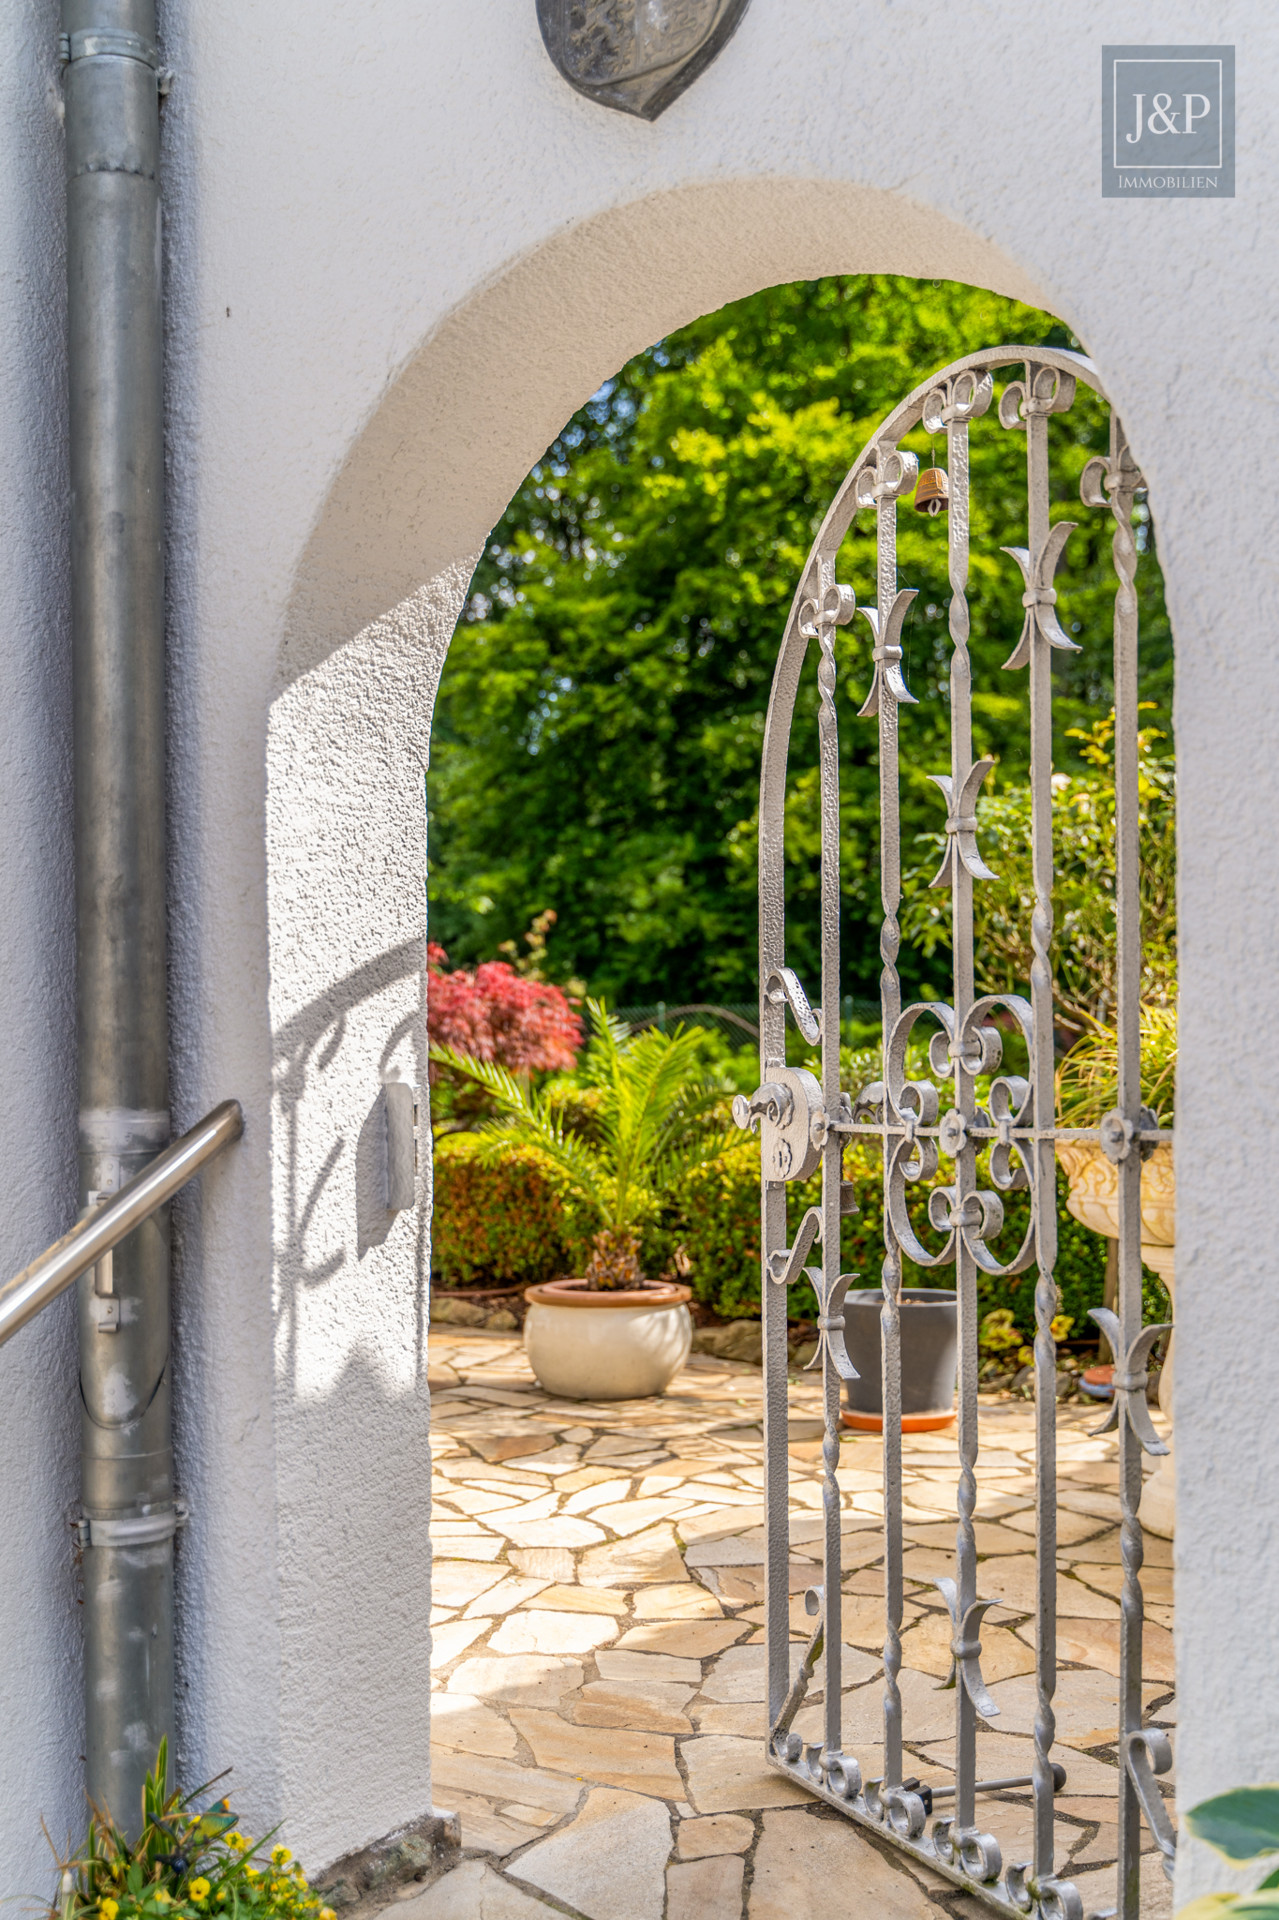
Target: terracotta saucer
[[1098, 1383], [576, 1293], [911, 1422]]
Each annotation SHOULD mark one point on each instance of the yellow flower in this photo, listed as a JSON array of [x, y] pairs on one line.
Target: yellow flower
[[280, 1856], [199, 1888], [1062, 1323], [1025, 1357], [236, 1842], [253, 1873], [162, 1898], [327, 1913], [108, 1908], [224, 1892], [299, 1876]]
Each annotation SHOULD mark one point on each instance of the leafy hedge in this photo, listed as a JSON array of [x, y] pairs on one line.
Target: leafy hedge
[[506, 1223], [514, 1222]]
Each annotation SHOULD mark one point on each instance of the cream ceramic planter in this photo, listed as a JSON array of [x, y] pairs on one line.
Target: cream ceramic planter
[[1094, 1196], [606, 1346], [1094, 1201]]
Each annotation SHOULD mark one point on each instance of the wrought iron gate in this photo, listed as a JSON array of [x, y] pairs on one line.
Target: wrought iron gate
[[804, 1125]]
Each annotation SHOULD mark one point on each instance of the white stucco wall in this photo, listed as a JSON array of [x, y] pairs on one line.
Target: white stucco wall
[[401, 251]]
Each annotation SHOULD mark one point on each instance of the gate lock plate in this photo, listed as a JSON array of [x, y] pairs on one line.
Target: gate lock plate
[[784, 1109]]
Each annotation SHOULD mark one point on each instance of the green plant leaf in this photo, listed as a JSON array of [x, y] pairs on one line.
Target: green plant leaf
[[1260, 1905], [1240, 1824]]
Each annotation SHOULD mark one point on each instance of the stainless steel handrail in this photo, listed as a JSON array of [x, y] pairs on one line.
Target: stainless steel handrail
[[115, 1218]]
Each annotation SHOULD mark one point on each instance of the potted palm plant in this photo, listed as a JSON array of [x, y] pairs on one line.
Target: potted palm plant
[[612, 1333]]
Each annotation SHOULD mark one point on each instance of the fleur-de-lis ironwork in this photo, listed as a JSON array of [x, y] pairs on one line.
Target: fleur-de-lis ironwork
[[1048, 390], [784, 1269], [1130, 1379], [830, 1324], [1015, 1124], [1040, 597], [965, 1647], [959, 400], [1108, 477], [835, 608], [888, 654], [961, 825], [887, 478]]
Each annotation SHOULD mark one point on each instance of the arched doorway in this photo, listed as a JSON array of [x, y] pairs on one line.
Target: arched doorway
[[371, 612]]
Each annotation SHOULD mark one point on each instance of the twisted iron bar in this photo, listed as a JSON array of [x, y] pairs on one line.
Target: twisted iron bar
[[892, 474], [1112, 481], [953, 407], [835, 607], [1026, 405]]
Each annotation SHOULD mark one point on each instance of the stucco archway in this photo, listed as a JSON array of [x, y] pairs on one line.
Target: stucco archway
[[373, 607]]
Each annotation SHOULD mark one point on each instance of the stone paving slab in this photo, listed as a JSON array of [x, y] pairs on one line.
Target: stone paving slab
[[598, 1655]]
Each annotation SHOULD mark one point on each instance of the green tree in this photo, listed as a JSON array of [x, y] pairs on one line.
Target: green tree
[[598, 730]]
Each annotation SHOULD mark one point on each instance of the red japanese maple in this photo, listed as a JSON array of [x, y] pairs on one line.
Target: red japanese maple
[[495, 1013]]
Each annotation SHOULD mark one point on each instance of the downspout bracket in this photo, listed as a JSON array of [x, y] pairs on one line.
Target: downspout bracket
[[89, 43], [136, 1530]]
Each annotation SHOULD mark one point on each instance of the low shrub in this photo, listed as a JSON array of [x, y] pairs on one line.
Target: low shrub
[[497, 1013], [508, 1222]]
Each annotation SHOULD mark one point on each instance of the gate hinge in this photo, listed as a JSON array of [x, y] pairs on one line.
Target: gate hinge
[[133, 1530]]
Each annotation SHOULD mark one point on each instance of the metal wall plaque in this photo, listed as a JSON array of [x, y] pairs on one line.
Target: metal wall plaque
[[636, 55]]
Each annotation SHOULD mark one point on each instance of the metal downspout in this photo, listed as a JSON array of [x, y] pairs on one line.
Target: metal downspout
[[115, 372]]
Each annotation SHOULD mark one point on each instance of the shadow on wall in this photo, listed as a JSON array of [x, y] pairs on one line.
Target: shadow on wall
[[304, 1049]]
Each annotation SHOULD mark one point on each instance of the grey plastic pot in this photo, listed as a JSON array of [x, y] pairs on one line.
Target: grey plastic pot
[[930, 1358]]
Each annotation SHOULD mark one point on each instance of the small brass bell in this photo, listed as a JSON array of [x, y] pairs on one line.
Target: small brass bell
[[932, 494]]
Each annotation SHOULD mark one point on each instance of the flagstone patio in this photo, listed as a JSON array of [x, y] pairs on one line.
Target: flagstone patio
[[599, 1669]]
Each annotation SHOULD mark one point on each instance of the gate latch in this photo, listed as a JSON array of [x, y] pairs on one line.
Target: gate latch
[[784, 1109]]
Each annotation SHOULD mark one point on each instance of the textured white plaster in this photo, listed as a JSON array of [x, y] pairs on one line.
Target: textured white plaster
[[400, 252]]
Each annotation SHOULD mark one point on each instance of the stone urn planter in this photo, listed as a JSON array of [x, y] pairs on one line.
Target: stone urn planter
[[1094, 1201], [930, 1358], [588, 1344]]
